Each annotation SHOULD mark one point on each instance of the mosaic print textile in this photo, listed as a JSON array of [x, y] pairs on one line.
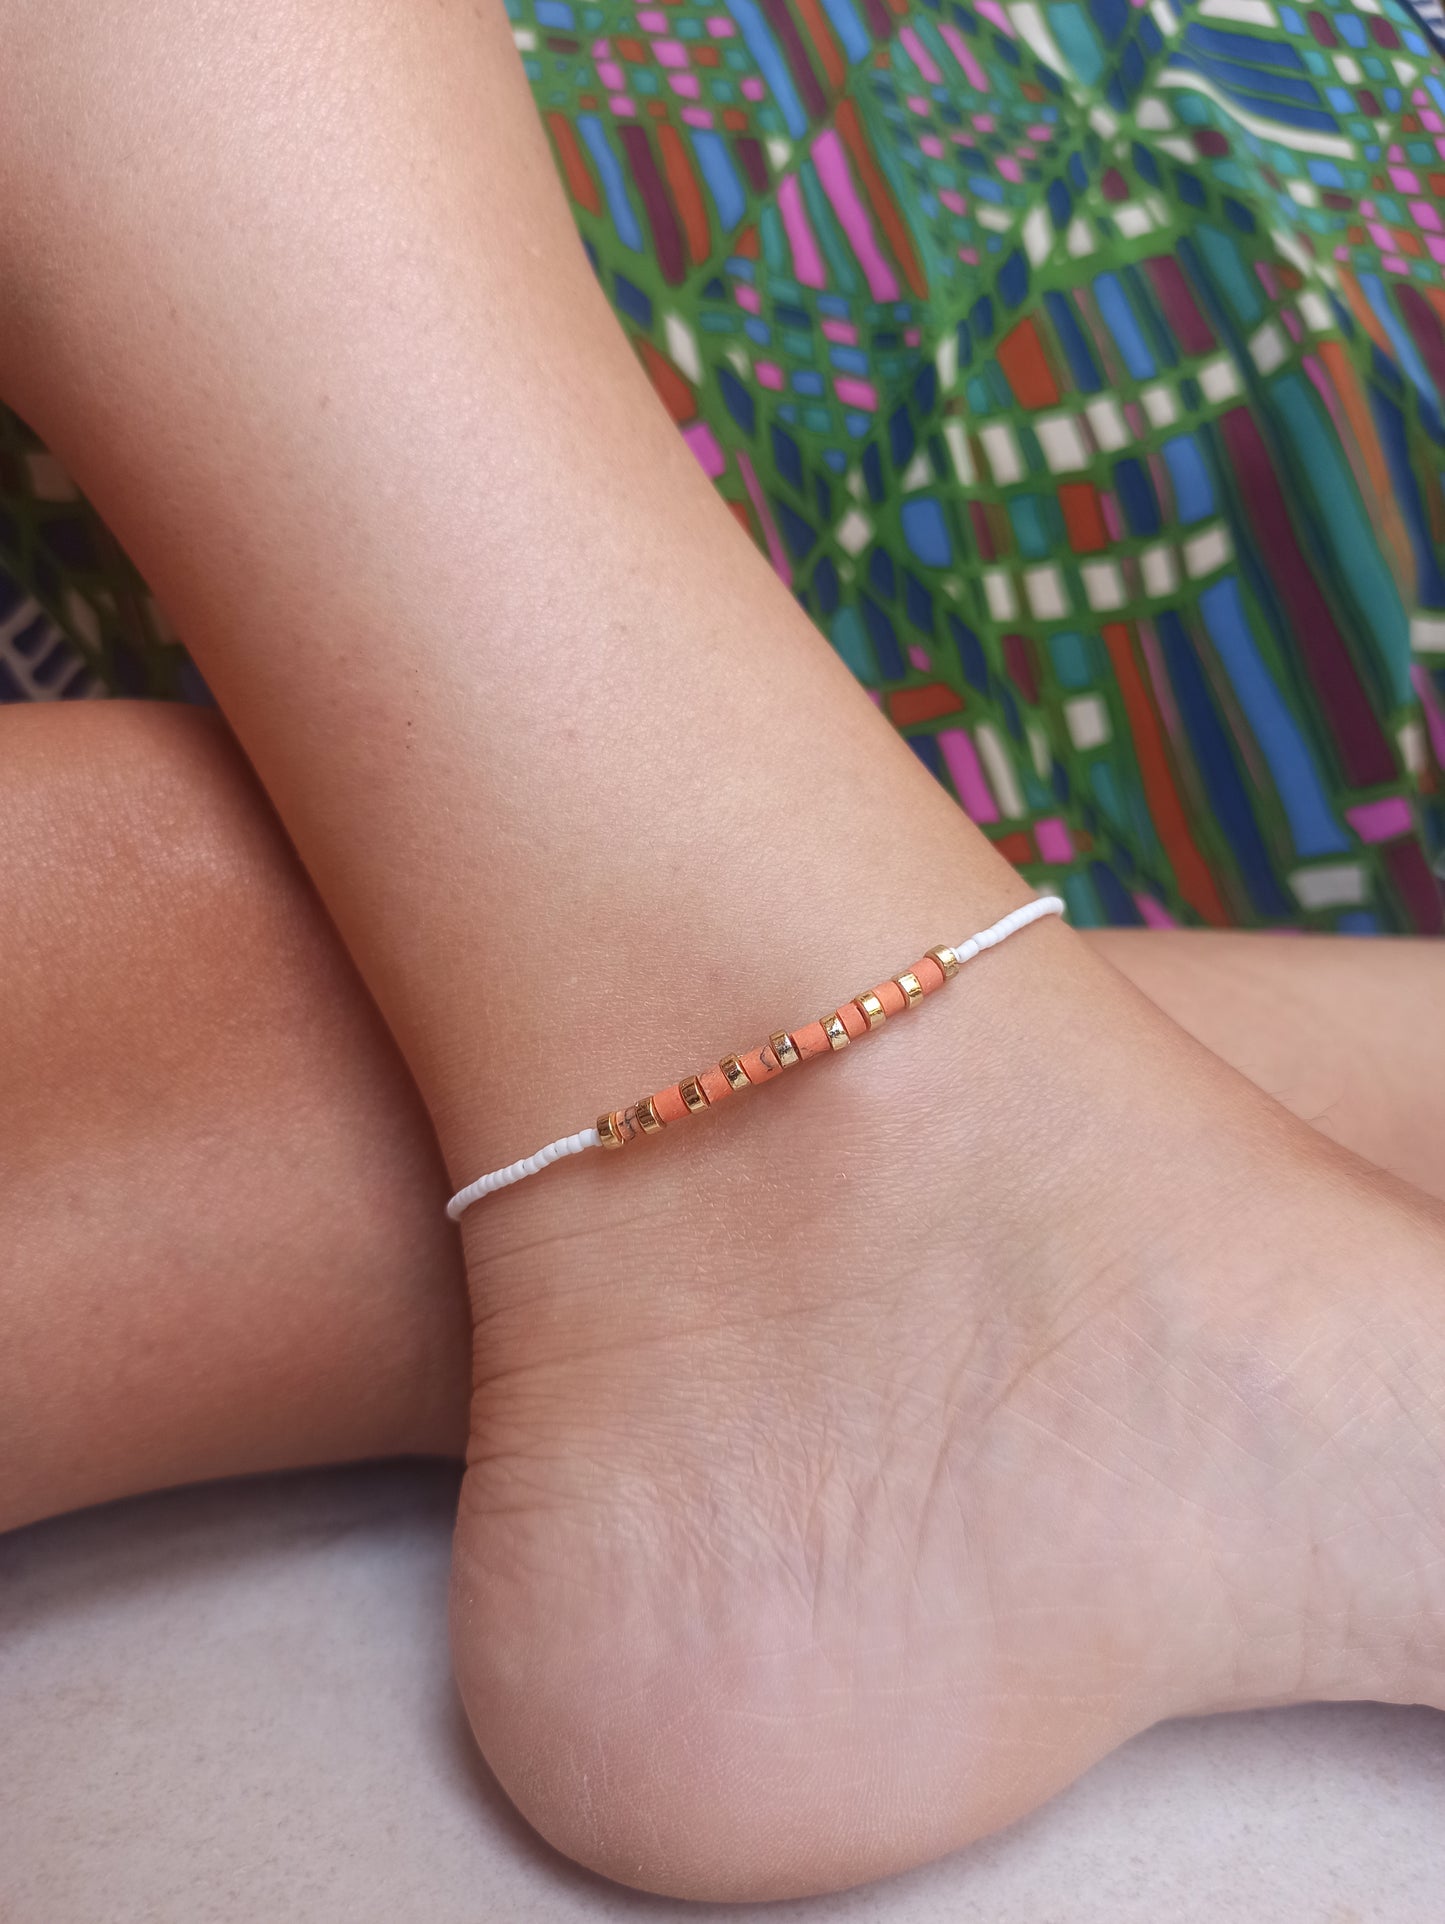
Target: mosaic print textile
[[1080, 366]]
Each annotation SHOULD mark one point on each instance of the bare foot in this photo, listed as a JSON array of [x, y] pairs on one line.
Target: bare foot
[[850, 1473]]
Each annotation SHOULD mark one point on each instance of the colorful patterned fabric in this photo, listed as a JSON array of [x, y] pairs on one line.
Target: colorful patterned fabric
[[1080, 366]]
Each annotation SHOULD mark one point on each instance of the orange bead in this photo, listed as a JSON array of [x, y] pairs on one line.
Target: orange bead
[[670, 1104], [892, 997], [811, 1041], [929, 974], [715, 1085], [853, 1020]]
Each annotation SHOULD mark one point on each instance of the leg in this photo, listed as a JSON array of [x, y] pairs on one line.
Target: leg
[[266, 1280], [1019, 1381], [223, 1246], [1342, 1030]]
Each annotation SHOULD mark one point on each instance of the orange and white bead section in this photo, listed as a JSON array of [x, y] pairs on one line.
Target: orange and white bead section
[[782, 1051]]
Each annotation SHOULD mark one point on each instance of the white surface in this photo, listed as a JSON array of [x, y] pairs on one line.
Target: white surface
[[233, 1705]]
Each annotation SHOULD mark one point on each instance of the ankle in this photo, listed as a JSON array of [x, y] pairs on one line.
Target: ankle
[[1335, 1560], [957, 1400], [1385, 1530], [888, 1080]]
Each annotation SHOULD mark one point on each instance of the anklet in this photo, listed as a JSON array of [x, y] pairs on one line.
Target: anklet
[[651, 1114]]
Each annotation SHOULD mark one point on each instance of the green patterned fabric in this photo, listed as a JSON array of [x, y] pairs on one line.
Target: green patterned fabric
[[1078, 365]]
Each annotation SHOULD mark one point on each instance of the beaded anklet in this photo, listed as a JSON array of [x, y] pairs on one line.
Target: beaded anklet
[[782, 1051]]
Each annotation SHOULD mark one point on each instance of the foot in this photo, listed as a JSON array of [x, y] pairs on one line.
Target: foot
[[853, 1468]]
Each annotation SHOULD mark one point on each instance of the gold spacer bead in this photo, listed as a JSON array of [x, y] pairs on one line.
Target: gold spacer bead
[[838, 1037], [608, 1134], [736, 1074], [784, 1048], [947, 960], [872, 1009], [691, 1091], [911, 987], [648, 1120]]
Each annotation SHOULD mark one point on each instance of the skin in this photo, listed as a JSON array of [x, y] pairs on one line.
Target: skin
[[267, 1281], [224, 1247], [847, 1478]]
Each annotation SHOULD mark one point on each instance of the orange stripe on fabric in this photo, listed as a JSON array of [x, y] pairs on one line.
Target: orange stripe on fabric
[[1191, 871], [1083, 517], [1381, 489], [1357, 412], [686, 193], [1368, 319], [822, 41], [575, 171], [908, 706], [876, 188], [1017, 847], [1026, 368], [674, 389]]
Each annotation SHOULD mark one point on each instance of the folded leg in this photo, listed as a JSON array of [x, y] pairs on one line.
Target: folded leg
[[221, 1239], [848, 1471]]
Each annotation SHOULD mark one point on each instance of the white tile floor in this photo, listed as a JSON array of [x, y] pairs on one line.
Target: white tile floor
[[232, 1706]]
